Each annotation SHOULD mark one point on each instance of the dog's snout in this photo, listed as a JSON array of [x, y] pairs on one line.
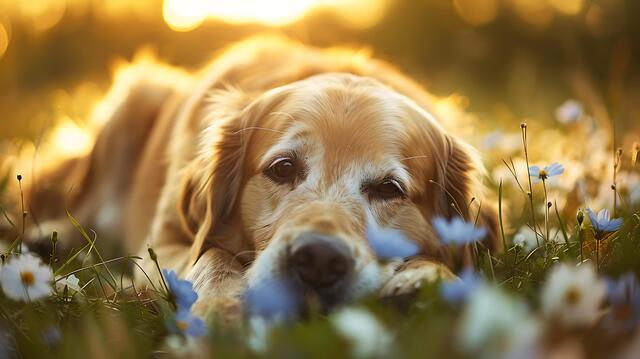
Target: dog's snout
[[320, 260]]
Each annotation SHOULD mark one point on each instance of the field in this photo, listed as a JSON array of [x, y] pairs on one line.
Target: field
[[545, 90]]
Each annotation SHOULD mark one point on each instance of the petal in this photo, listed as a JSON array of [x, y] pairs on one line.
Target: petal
[[534, 171], [442, 227], [554, 169]]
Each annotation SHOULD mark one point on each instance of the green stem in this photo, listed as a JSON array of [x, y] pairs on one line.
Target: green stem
[[523, 128], [546, 211]]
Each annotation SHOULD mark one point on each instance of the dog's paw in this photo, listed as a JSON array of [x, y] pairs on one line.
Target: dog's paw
[[410, 277]]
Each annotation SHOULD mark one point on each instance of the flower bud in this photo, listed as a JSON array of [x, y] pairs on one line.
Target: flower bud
[[152, 254], [580, 217]]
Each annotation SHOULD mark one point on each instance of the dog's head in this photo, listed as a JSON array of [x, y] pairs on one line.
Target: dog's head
[[295, 174]]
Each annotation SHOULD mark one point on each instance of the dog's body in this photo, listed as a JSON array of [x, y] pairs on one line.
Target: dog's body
[[267, 165]]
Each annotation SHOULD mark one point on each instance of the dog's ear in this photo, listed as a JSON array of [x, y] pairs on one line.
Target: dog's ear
[[210, 188], [213, 180], [458, 182]]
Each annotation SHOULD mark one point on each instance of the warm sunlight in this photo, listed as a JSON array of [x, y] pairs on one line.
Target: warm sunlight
[[69, 139], [185, 15]]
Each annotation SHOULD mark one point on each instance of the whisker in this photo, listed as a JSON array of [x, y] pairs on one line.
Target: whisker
[[257, 128], [412, 157]]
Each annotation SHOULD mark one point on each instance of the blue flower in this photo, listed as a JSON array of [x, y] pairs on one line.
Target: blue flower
[[273, 299], [570, 111], [602, 221], [624, 298], [551, 170], [459, 290], [181, 290], [189, 324], [388, 243], [457, 231]]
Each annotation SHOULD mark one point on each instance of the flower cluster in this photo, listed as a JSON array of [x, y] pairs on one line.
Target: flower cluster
[[572, 297], [182, 294]]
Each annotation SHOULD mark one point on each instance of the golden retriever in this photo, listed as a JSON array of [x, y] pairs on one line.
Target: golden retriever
[[266, 165]]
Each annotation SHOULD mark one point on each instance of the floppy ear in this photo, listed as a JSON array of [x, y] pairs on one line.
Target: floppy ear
[[459, 181], [213, 180]]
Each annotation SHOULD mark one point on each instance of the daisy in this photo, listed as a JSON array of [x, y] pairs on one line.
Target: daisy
[[526, 239], [460, 289], [457, 231], [366, 334], [602, 222], [189, 324], [569, 112], [498, 326], [388, 243], [25, 278], [624, 297], [551, 170], [181, 291], [71, 282], [573, 294]]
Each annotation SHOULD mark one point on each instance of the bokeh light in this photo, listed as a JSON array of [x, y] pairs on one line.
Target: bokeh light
[[185, 15], [4, 39]]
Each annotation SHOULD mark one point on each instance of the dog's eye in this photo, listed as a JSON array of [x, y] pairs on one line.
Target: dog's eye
[[283, 170], [389, 188]]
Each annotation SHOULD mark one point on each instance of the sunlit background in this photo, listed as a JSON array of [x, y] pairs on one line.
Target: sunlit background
[[503, 61]]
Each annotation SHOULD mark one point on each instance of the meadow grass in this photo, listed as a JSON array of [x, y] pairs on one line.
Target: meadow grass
[[110, 317]]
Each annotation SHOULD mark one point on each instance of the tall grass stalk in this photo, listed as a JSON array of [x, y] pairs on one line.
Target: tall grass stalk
[[523, 130]]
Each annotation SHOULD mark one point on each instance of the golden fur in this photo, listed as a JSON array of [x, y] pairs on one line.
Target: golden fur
[[180, 166]]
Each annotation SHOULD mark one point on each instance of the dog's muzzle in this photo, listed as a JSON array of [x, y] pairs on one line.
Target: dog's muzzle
[[320, 261]]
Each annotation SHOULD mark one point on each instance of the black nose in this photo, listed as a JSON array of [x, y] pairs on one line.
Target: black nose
[[319, 260]]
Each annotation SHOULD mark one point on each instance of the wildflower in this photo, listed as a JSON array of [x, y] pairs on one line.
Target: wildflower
[[569, 112], [71, 282], [274, 299], [389, 244], [602, 222], [367, 335], [258, 338], [459, 290], [551, 170], [181, 290], [624, 297], [573, 294], [189, 324], [526, 239], [25, 278], [499, 325], [457, 231]]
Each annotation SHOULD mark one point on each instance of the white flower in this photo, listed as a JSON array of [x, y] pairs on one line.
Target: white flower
[[25, 278], [573, 294], [498, 326], [526, 239], [367, 335], [570, 111], [259, 328], [71, 282]]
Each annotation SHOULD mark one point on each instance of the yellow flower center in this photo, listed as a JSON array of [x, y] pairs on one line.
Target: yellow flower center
[[27, 277], [543, 174], [572, 296], [182, 325]]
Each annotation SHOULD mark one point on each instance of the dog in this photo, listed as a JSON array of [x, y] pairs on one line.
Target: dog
[[268, 164]]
